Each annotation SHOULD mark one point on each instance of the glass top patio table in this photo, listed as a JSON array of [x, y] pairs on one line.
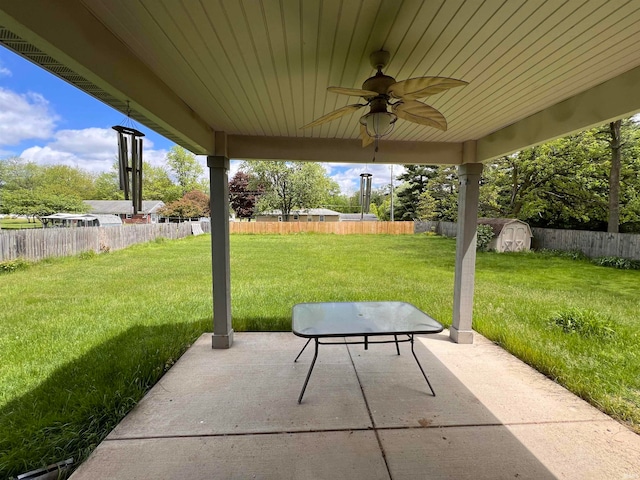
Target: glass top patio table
[[316, 321], [345, 319]]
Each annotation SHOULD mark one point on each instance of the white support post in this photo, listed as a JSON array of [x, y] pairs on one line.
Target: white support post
[[219, 186], [468, 195]]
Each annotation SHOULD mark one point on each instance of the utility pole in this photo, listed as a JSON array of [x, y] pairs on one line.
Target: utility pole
[[391, 168]]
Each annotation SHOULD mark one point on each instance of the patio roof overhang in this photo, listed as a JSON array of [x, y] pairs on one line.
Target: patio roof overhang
[[237, 79], [536, 70]]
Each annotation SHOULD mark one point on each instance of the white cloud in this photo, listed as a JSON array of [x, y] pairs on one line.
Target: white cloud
[[92, 149], [24, 116], [5, 72], [347, 175]]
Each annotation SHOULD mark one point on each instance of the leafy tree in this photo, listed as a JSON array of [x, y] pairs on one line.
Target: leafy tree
[[443, 188], [107, 187], [558, 184], [615, 143], [623, 140], [16, 173], [427, 207], [66, 181], [194, 204], [201, 200], [289, 185], [157, 185], [38, 204], [242, 197], [184, 165]]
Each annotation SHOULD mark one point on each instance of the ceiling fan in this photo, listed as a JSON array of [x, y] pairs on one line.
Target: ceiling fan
[[382, 91]]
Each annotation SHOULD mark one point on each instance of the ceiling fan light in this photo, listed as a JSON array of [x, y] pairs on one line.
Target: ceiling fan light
[[378, 124]]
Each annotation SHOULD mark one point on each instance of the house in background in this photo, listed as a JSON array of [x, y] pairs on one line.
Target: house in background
[[509, 234], [358, 217], [124, 210], [304, 215]]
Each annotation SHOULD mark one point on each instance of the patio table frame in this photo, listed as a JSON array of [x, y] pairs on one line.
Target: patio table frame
[[340, 320]]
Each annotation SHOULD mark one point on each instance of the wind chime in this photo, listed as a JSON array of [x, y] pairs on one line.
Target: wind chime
[[365, 193], [130, 163]]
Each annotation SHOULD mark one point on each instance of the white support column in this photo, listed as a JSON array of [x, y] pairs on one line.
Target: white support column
[[468, 195], [219, 186]]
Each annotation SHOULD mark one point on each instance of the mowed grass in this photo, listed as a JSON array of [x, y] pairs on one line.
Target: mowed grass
[[8, 223], [81, 340]]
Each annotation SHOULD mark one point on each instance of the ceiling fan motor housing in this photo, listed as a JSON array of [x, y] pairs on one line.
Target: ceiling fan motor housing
[[379, 83]]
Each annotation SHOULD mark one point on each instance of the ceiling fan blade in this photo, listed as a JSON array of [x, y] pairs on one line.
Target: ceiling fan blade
[[335, 114], [421, 87], [418, 112], [354, 92], [366, 139]]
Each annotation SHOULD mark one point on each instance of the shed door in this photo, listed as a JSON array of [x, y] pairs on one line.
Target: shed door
[[508, 235], [515, 237]]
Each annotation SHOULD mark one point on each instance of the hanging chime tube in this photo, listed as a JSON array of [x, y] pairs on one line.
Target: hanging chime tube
[[365, 193]]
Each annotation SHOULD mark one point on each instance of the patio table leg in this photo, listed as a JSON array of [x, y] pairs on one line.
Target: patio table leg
[[421, 369], [313, 362], [305, 346], [397, 347]]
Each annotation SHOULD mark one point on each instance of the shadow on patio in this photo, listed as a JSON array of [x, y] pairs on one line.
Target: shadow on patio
[[366, 414]]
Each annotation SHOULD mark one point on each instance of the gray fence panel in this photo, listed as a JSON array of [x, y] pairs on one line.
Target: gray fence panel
[[592, 244], [37, 244]]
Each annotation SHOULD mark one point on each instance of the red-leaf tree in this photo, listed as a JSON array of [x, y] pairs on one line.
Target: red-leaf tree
[[241, 197]]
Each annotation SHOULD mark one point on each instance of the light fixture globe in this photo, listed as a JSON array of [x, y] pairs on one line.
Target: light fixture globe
[[378, 124]]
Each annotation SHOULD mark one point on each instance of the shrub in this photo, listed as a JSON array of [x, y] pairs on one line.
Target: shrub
[[585, 323], [617, 262], [13, 265], [88, 255], [484, 237]]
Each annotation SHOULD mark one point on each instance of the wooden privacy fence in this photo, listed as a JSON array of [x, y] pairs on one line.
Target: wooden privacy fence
[[338, 228], [37, 244]]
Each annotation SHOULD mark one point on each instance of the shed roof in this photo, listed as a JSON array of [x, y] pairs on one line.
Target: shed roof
[[122, 207], [497, 224]]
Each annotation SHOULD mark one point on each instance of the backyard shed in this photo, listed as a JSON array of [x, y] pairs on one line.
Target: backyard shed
[[509, 234]]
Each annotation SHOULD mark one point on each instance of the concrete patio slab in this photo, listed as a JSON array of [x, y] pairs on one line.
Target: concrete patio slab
[[469, 377], [257, 384], [366, 414], [331, 455]]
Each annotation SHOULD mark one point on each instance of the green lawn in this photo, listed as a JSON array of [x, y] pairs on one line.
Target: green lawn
[[81, 340], [15, 223]]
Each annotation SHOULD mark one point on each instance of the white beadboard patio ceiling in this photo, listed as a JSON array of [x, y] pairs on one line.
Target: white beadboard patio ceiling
[[261, 68]]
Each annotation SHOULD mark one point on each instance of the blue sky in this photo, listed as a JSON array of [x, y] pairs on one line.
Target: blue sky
[[45, 120]]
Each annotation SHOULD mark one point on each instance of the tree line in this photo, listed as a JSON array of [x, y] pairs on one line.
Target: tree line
[[590, 180], [587, 181], [33, 190]]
